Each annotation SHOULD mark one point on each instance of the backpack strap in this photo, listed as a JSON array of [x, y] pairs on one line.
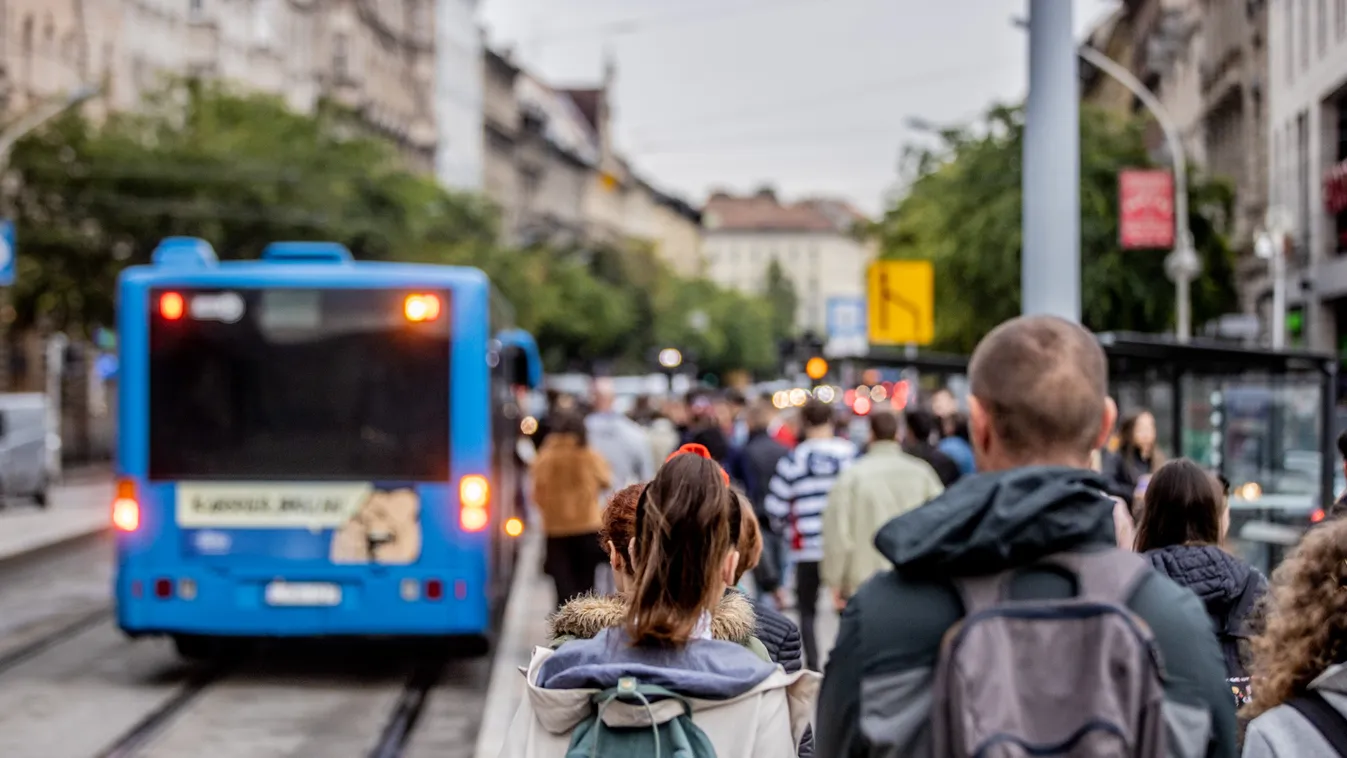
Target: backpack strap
[[1326, 719], [1108, 575]]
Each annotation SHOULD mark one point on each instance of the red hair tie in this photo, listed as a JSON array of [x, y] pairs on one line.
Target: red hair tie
[[692, 448]]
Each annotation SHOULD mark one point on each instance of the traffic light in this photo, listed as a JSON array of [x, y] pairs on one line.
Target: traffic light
[[816, 368]]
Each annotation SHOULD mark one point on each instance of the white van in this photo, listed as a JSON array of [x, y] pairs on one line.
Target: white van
[[24, 470]]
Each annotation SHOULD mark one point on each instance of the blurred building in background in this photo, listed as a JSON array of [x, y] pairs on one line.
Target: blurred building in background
[[376, 58], [459, 84], [816, 242], [1207, 63], [552, 168], [1307, 113]]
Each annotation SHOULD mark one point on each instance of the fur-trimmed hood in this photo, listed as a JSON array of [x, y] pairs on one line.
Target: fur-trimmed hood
[[587, 615]]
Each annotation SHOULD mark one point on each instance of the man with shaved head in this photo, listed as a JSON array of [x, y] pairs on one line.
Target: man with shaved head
[[1039, 407]]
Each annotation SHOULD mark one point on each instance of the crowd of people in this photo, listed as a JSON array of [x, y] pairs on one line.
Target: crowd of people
[[1006, 580]]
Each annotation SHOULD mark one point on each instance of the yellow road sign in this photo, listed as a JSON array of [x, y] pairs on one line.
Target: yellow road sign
[[901, 302]]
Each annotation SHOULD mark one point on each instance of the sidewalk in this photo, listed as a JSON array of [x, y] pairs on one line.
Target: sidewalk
[[79, 507]]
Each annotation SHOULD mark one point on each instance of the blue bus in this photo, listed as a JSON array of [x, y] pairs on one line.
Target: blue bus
[[314, 446]]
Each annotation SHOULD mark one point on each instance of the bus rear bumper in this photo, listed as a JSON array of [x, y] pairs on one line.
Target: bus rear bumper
[[372, 606]]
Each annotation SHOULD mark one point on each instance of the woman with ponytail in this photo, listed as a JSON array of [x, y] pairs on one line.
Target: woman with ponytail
[[684, 557]]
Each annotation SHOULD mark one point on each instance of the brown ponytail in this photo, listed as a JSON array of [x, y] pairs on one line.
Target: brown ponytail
[[682, 537]]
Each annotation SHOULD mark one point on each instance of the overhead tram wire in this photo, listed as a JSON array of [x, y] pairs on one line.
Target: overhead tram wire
[[662, 21], [767, 108]]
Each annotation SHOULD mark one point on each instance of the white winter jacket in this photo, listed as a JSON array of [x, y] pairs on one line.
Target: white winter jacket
[[767, 721]]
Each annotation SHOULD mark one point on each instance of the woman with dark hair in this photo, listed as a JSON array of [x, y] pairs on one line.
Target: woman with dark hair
[[568, 477], [1137, 458], [1184, 518], [661, 667], [1300, 659]]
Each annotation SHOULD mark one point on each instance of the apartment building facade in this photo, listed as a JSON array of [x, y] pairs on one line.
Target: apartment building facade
[[813, 241], [1307, 56]]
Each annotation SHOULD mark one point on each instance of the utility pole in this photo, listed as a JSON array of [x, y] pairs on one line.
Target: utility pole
[[1050, 257]]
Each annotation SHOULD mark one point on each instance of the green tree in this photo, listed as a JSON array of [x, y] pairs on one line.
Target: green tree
[[782, 300], [962, 212], [239, 171]]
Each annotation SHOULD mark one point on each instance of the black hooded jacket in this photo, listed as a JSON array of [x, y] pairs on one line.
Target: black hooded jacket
[[875, 696]]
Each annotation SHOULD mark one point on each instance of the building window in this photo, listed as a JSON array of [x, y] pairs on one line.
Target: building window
[[1340, 18], [341, 54], [1302, 179], [1322, 26], [1289, 24], [1304, 34]]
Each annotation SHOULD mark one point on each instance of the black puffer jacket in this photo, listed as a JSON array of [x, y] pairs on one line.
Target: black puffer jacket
[[1229, 588], [781, 637]]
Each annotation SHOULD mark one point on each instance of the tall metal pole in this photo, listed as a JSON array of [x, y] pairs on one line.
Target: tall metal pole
[[1182, 264], [1050, 257]]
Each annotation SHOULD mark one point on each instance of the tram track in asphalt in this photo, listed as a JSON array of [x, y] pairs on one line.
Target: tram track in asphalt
[[157, 721], [68, 631], [402, 721]]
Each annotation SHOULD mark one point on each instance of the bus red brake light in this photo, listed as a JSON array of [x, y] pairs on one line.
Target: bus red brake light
[[125, 508], [171, 306], [473, 494], [419, 308]]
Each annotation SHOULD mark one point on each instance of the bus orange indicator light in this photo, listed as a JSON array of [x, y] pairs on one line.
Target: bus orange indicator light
[[473, 519], [514, 527], [171, 306], [473, 494], [418, 308]]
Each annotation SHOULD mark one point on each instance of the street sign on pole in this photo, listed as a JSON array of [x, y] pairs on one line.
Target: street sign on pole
[[847, 337], [1145, 209], [901, 303], [6, 253]]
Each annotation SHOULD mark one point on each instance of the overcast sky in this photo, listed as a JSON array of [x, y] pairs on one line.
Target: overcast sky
[[811, 96]]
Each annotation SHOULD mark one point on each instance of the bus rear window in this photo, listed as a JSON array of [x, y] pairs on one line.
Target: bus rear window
[[332, 384]]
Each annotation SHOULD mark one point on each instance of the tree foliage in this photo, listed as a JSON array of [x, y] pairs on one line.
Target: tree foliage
[[962, 212], [242, 170]]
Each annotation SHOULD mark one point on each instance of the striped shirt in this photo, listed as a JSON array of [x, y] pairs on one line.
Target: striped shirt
[[799, 490]]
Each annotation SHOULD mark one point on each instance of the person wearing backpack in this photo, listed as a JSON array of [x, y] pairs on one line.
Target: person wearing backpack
[[659, 685], [1299, 666], [1011, 622], [1184, 519], [583, 617]]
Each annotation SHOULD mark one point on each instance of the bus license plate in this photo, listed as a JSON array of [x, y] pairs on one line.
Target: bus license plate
[[303, 593]]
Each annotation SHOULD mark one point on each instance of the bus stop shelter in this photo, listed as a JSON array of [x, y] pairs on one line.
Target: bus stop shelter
[[1265, 420]]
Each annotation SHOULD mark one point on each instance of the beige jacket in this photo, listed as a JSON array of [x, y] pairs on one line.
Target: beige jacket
[[765, 722], [883, 484]]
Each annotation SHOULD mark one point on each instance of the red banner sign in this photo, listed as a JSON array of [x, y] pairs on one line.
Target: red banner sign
[[1146, 209], [1335, 188]]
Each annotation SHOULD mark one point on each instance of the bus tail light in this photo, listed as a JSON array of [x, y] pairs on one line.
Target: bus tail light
[[473, 494], [434, 589], [126, 509], [418, 308], [1318, 515], [171, 306]]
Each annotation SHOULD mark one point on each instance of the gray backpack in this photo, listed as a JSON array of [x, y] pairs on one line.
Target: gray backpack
[[1067, 678]]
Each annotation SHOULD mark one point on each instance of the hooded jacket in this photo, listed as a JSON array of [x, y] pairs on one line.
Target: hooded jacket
[[876, 695], [587, 615], [746, 706], [1283, 733]]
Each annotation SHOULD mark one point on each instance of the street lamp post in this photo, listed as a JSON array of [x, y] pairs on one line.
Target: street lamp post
[[1270, 245], [1182, 264]]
